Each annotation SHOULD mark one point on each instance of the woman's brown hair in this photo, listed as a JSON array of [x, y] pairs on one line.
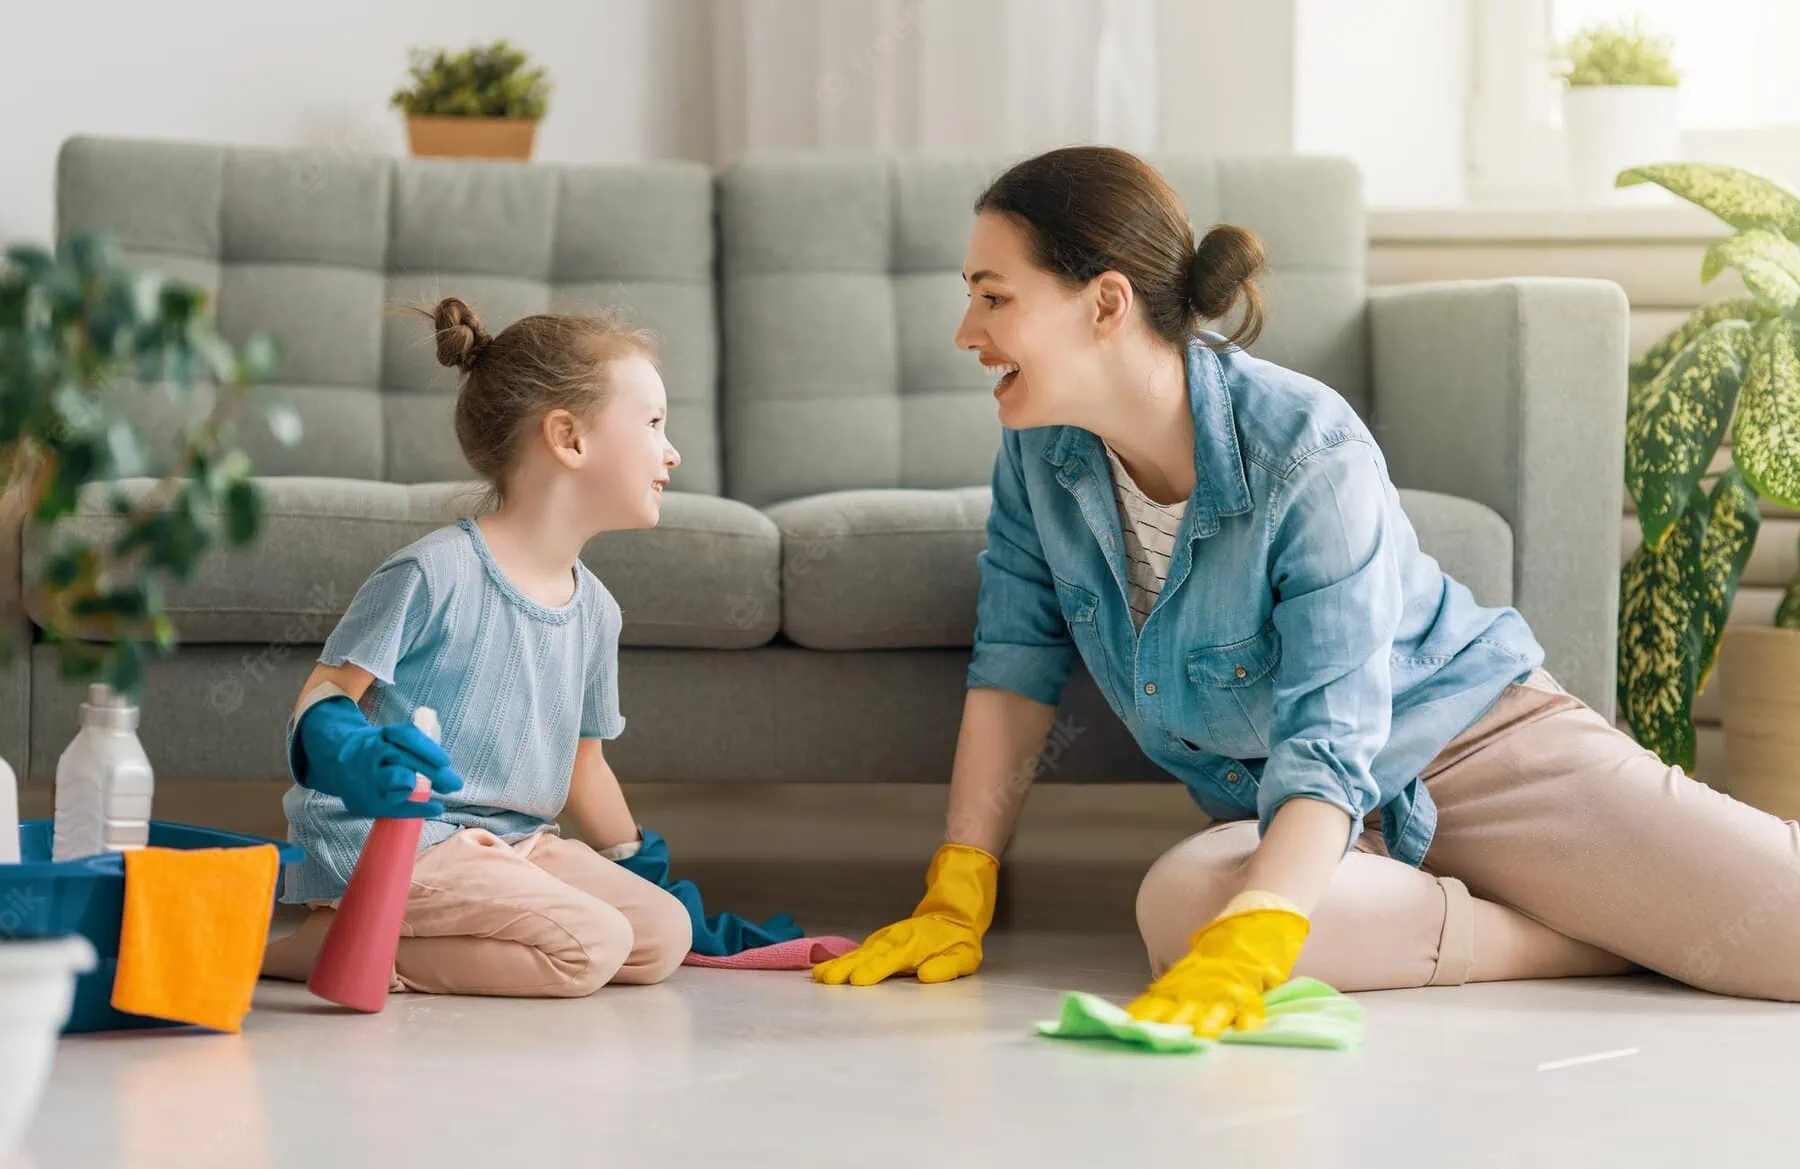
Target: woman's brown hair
[[544, 362], [1094, 209]]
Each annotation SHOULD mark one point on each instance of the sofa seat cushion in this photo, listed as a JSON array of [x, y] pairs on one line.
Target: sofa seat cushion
[[881, 569], [706, 577], [893, 569]]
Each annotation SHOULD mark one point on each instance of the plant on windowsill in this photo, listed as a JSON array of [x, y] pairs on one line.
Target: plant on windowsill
[[79, 332], [484, 102], [1733, 364], [1619, 107]]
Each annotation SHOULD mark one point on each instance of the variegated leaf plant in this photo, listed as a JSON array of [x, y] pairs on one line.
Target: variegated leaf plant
[[1734, 365]]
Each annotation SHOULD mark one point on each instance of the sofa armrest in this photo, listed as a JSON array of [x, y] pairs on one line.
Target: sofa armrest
[[1512, 393]]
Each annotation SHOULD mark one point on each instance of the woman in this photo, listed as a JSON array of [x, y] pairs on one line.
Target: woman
[[1397, 783]]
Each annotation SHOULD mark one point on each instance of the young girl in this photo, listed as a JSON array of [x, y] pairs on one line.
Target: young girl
[[497, 625]]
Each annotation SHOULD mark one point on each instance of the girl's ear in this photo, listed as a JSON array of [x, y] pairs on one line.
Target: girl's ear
[[562, 435]]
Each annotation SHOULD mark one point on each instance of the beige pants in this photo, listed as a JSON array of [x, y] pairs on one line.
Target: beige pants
[[1562, 848], [542, 917]]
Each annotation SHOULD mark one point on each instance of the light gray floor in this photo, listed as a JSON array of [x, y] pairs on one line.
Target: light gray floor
[[730, 1069]]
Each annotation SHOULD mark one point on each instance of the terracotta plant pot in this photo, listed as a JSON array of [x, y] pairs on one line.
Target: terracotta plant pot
[[1760, 670], [472, 137]]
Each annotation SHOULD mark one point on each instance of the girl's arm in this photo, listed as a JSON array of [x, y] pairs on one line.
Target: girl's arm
[[596, 801], [351, 679], [1303, 844]]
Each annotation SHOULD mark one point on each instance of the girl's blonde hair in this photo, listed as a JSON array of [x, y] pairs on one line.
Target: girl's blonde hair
[[544, 362]]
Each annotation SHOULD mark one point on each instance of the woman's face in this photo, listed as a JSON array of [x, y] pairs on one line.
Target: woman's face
[[1031, 331]]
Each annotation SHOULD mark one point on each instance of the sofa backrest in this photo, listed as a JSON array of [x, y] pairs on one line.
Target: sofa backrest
[[841, 290], [321, 248]]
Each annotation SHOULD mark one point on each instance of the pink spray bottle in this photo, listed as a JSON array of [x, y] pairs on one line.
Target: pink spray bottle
[[356, 963]]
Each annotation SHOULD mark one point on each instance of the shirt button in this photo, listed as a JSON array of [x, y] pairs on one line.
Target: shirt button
[[1149, 687], [1231, 777], [1240, 671]]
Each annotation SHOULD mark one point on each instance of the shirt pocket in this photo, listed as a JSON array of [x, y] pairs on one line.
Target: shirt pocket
[[1080, 610], [1236, 694]]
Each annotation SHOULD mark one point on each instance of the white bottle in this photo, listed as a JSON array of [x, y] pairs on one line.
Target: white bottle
[[104, 784], [9, 815]]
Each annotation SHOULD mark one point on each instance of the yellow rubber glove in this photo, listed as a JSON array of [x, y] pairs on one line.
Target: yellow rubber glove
[[942, 938], [1248, 950]]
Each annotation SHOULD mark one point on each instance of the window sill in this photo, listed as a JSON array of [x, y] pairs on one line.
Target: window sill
[[1671, 222]]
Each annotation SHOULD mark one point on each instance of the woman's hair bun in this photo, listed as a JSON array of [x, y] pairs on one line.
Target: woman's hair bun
[[460, 337], [1226, 264]]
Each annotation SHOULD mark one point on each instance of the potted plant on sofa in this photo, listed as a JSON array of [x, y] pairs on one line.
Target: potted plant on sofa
[[484, 102], [1619, 106], [1733, 364]]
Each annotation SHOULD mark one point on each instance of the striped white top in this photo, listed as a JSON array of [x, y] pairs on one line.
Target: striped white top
[[1149, 529]]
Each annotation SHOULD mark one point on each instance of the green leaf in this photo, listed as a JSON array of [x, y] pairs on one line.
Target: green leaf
[[1659, 660], [1731, 526], [1676, 423], [1768, 261], [258, 359], [1766, 434], [1737, 308], [79, 662], [165, 633], [1788, 615], [243, 513], [125, 668], [1741, 198]]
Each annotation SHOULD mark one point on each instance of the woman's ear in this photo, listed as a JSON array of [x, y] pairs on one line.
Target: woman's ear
[[1112, 304], [562, 435]]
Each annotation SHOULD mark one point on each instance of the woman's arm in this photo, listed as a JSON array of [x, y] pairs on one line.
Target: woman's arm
[[351, 679], [996, 759], [596, 801], [1303, 844]]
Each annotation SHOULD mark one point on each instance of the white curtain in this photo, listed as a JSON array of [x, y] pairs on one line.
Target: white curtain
[[946, 76]]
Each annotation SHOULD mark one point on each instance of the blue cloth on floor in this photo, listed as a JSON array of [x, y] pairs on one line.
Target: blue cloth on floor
[[722, 934]]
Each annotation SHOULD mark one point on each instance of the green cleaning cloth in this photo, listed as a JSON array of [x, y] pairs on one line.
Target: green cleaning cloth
[[1302, 1012]]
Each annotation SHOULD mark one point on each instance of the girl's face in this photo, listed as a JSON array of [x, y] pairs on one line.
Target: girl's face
[[1032, 332], [627, 453]]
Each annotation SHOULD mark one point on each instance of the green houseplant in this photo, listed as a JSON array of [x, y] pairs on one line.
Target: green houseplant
[[484, 102], [1732, 366], [79, 331], [1619, 107]]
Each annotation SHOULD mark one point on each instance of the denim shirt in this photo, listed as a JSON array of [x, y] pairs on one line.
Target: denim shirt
[[1303, 644]]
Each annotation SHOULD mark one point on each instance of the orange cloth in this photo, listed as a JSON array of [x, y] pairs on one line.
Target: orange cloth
[[196, 921]]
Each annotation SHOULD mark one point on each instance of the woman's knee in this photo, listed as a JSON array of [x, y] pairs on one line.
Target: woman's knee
[[603, 940], [1188, 885]]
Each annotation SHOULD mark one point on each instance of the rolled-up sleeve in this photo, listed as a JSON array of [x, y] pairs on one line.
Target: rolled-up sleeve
[[1022, 642], [1336, 579]]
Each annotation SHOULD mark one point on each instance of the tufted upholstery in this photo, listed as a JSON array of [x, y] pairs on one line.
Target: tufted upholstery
[[842, 288], [320, 249]]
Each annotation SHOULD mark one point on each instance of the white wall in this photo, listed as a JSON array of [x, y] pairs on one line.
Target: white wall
[[632, 77], [1383, 82], [1386, 82]]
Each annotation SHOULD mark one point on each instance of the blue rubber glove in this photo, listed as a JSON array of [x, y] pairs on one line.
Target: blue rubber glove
[[371, 768], [720, 935]]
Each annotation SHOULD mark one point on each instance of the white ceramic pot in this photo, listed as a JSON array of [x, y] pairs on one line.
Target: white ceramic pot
[[37, 984], [1610, 128]]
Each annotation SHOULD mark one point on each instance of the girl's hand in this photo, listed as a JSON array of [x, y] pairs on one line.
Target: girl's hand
[[1242, 954], [372, 769]]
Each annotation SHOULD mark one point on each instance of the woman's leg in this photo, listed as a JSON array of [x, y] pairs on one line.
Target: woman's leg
[[482, 919], [661, 931], [1547, 807], [1381, 925]]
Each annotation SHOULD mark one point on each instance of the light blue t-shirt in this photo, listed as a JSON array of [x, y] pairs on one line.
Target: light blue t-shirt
[[515, 685]]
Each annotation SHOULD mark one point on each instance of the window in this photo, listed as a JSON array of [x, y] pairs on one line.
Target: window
[[1740, 91], [1736, 56]]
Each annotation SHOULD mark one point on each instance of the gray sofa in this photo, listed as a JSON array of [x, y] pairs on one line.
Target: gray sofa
[[805, 610]]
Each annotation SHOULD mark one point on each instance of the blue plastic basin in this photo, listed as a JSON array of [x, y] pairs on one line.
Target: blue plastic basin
[[41, 898]]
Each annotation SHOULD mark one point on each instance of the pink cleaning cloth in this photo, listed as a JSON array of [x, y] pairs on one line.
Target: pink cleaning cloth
[[799, 954]]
